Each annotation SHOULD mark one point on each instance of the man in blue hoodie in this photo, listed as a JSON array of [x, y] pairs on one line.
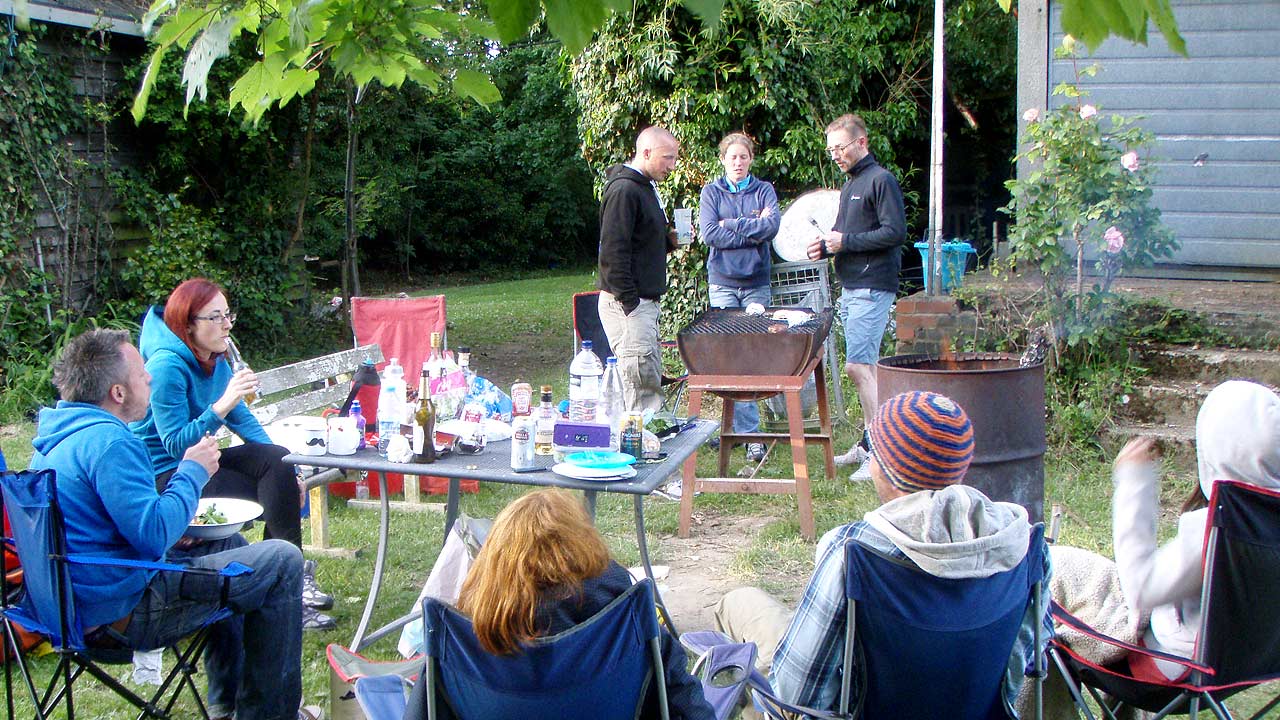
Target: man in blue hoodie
[[106, 488]]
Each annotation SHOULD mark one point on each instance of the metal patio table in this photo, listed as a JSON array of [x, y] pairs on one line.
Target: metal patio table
[[494, 465]]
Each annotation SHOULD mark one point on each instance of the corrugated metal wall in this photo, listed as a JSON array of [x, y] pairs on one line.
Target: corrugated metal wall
[[1216, 115]]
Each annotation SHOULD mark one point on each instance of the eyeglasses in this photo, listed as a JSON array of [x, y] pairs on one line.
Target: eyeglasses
[[840, 148], [218, 318]]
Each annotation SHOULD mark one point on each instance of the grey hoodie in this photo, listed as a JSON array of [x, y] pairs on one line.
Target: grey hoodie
[[956, 532]]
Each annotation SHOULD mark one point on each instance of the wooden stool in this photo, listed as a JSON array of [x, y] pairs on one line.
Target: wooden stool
[[789, 386]]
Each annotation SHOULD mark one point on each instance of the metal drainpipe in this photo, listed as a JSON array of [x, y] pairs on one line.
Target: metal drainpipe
[[935, 154]]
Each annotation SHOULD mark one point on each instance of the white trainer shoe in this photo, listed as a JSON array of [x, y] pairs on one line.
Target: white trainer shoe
[[863, 473], [856, 455]]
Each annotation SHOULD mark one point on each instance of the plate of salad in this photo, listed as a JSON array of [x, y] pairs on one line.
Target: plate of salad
[[217, 518]]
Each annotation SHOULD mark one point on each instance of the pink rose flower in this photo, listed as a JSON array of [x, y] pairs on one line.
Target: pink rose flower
[[1087, 112], [1114, 238], [1129, 161], [1031, 115]]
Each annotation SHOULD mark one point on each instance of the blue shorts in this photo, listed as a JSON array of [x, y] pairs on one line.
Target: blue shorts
[[866, 314]]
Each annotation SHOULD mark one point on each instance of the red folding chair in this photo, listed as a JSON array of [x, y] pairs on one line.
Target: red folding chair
[[1239, 640], [402, 327]]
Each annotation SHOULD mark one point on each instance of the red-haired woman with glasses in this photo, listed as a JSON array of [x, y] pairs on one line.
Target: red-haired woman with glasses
[[195, 393]]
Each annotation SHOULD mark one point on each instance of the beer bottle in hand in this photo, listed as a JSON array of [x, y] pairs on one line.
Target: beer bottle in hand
[[424, 425]]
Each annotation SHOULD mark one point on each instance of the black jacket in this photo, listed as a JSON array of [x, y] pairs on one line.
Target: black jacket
[[633, 239], [874, 224]]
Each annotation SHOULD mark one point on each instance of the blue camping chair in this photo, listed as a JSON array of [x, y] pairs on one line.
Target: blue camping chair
[[920, 646], [606, 664], [48, 607]]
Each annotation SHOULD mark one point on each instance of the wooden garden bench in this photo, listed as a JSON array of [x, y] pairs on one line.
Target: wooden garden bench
[[299, 383]]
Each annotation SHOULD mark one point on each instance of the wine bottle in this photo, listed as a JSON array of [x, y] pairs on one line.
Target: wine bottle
[[424, 424]]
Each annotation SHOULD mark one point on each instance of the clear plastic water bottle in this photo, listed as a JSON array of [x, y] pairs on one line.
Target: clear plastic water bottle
[[390, 406], [584, 384], [613, 403], [362, 486]]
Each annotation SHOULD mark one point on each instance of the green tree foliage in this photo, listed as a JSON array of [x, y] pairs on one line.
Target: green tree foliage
[[392, 41], [780, 70], [447, 186]]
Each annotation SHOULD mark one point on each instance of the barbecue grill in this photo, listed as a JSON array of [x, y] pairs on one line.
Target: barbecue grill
[[731, 342], [744, 357]]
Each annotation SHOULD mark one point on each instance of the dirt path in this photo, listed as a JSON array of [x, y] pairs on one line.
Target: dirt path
[[701, 568]]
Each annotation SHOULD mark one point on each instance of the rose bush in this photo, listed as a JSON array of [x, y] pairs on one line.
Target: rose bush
[[1085, 196]]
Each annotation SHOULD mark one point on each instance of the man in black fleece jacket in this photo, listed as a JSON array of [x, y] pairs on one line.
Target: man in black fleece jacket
[[635, 237], [866, 242]]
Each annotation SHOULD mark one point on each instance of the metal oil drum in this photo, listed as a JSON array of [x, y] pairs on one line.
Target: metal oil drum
[[1005, 403]]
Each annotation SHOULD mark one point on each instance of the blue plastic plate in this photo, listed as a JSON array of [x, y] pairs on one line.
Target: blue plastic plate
[[599, 459]]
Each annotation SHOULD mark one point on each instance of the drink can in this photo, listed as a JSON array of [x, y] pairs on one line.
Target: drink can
[[631, 439], [522, 450]]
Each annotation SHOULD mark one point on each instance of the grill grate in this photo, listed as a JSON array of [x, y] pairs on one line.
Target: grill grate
[[738, 322]]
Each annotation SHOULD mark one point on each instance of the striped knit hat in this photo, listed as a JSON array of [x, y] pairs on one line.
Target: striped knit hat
[[922, 441]]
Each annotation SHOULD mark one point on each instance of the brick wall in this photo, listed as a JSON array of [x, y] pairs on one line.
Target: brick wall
[[928, 325]]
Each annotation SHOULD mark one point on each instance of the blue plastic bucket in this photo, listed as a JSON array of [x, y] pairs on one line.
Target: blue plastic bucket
[[955, 256]]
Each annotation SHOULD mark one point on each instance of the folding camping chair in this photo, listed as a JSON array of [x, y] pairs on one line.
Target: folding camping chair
[[48, 607], [1239, 640], [587, 326], [606, 663], [955, 636], [402, 327]]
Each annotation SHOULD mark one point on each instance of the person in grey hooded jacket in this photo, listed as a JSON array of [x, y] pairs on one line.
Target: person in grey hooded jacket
[[922, 444], [738, 218]]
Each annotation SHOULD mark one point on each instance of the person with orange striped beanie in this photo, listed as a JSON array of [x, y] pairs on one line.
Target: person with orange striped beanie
[[921, 447]]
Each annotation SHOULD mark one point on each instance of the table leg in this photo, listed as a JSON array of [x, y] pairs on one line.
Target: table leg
[[451, 505], [384, 528], [689, 480], [642, 543], [589, 499]]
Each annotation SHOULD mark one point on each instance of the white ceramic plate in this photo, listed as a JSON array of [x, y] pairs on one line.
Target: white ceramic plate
[[237, 511], [585, 473]]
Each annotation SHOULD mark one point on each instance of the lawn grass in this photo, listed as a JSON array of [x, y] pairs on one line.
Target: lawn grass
[[524, 327]]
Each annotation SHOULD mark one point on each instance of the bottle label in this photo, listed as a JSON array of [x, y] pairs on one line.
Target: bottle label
[[521, 399]]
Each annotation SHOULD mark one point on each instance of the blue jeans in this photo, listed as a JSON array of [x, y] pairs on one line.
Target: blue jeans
[[746, 415], [254, 658]]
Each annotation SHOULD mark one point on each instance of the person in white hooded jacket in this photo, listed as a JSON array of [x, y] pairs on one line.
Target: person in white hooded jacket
[[1237, 438], [922, 444]]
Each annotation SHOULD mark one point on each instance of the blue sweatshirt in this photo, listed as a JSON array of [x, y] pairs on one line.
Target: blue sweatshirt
[[107, 491], [182, 395], [741, 255]]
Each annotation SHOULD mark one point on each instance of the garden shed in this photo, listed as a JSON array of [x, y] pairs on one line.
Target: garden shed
[[64, 156], [1215, 114]]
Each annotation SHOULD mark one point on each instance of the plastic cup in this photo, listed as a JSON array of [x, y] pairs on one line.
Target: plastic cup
[[684, 226]]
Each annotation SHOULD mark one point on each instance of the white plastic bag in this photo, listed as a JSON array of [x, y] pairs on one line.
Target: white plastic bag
[[445, 581]]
